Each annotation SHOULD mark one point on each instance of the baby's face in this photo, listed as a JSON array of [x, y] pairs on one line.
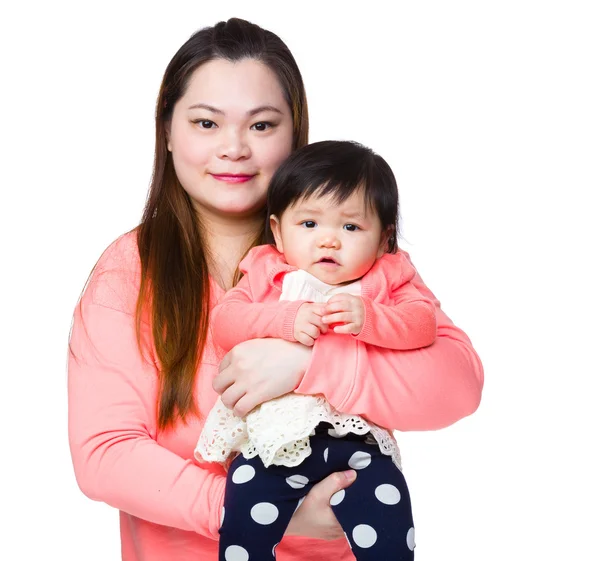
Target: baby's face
[[336, 242]]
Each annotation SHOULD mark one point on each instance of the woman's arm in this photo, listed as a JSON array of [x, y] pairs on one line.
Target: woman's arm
[[112, 425], [423, 389]]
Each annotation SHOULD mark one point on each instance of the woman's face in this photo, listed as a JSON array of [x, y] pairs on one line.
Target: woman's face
[[229, 133]]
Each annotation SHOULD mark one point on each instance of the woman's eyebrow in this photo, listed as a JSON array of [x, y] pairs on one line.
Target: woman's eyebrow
[[250, 113], [207, 107], [262, 108]]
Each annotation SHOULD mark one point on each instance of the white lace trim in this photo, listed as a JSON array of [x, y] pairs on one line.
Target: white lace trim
[[279, 430]]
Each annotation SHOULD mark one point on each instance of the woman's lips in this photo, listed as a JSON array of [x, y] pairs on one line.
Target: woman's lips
[[227, 178]]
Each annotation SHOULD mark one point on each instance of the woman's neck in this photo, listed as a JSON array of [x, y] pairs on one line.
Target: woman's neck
[[227, 240]]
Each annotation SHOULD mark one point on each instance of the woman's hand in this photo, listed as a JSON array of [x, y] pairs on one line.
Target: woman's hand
[[258, 370], [314, 518]]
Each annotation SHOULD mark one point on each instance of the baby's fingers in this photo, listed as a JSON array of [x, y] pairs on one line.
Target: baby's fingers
[[317, 321], [347, 328], [341, 317], [312, 330], [333, 307], [305, 339]]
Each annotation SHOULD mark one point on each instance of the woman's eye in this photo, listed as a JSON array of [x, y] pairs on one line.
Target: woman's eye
[[205, 124], [262, 126], [309, 224], [351, 227]]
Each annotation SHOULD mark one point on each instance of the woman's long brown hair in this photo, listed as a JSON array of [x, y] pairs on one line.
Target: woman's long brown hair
[[175, 289]]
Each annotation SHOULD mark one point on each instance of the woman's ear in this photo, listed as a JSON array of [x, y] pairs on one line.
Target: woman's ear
[[276, 229], [168, 136]]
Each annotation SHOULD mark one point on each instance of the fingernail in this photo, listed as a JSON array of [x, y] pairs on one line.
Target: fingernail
[[350, 475]]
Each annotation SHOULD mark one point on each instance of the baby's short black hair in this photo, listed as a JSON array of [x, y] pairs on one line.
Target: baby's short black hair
[[337, 168]]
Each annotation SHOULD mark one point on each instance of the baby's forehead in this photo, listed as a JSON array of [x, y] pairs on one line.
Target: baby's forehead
[[356, 204]]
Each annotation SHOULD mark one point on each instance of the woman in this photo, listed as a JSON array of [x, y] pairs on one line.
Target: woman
[[143, 370]]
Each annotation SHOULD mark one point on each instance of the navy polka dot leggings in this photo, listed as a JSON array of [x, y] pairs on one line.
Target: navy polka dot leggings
[[374, 512]]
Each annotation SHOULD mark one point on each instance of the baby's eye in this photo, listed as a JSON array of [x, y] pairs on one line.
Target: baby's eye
[[351, 227], [262, 126], [309, 224], [205, 123]]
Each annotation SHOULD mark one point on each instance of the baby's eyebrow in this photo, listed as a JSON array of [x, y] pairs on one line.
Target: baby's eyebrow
[[307, 210], [354, 214]]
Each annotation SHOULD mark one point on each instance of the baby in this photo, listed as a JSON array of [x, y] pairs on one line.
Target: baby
[[334, 271]]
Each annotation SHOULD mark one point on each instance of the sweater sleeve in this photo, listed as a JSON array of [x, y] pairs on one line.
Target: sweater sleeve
[[405, 320], [422, 389], [112, 393], [244, 313]]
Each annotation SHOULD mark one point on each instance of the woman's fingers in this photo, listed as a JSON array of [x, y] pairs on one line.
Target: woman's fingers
[[265, 368], [314, 518], [332, 484], [225, 362], [222, 380], [246, 403], [232, 395]]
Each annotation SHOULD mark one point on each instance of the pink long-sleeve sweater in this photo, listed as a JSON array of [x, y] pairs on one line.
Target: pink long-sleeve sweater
[[397, 315], [169, 505]]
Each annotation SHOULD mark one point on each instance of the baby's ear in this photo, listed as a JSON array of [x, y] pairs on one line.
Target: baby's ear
[[384, 242], [276, 229]]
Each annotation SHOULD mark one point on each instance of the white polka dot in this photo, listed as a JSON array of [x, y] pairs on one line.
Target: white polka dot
[[359, 460], [331, 432], [243, 474], [387, 494], [410, 539], [364, 535], [274, 548], [236, 553], [326, 454], [299, 503], [264, 513], [222, 515], [296, 481], [337, 498]]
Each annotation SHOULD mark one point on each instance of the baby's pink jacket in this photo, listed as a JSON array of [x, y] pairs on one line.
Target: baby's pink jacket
[[397, 315], [170, 507]]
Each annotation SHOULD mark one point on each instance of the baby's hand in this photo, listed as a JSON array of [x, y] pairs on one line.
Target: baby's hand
[[348, 311], [308, 324]]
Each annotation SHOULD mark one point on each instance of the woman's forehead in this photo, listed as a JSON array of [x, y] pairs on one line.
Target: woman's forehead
[[239, 87]]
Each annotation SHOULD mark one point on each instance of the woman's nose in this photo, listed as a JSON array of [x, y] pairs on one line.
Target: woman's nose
[[234, 146]]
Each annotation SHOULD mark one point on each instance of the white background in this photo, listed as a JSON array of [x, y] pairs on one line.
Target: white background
[[488, 112]]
